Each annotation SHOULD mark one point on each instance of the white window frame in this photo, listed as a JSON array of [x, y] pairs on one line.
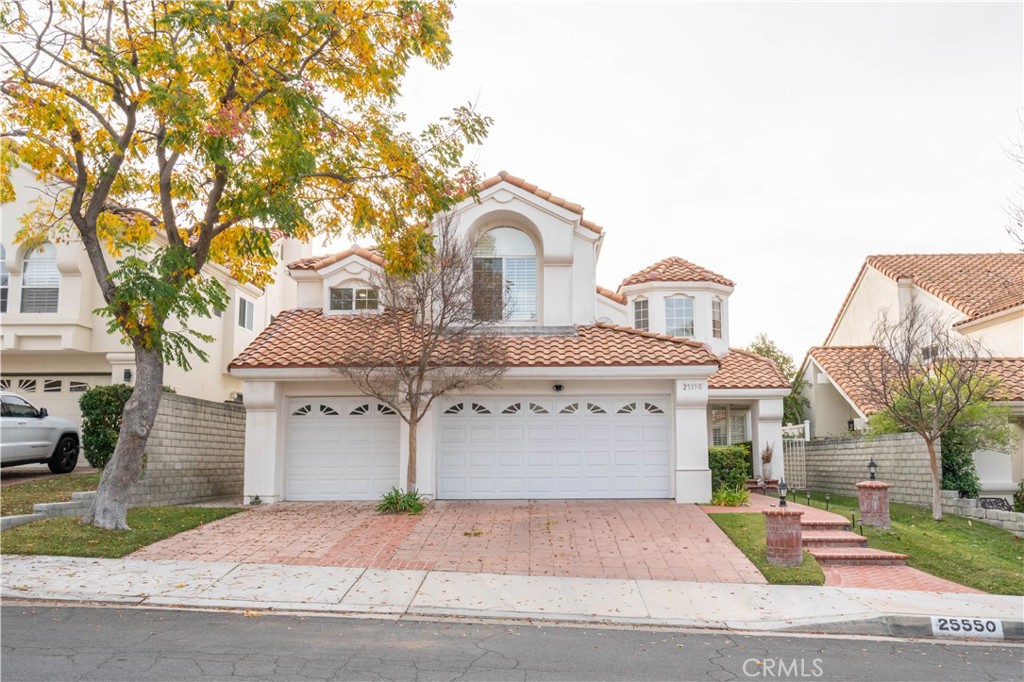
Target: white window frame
[[5, 279], [671, 324], [717, 315], [360, 302], [518, 266], [731, 413], [642, 322], [246, 313], [43, 257]]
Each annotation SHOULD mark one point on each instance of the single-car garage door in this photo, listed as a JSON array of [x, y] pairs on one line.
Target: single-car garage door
[[533, 447], [58, 394], [340, 449]]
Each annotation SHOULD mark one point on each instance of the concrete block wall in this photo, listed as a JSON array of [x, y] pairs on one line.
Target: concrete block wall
[[952, 503], [837, 465], [196, 452]]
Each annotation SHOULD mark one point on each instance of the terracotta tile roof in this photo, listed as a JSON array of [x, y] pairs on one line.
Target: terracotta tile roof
[[846, 364], [742, 369], [505, 176], [1010, 372], [613, 295], [675, 269], [317, 262], [976, 284], [308, 338]]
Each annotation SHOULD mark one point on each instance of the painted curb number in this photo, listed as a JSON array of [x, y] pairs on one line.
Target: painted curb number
[[989, 628]]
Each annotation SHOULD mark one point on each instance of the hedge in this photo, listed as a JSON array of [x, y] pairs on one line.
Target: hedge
[[730, 465], [101, 421]]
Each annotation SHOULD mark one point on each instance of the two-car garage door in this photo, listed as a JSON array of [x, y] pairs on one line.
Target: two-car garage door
[[528, 447], [533, 447]]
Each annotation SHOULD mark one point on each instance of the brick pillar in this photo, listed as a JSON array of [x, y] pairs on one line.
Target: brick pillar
[[783, 536], [873, 500]]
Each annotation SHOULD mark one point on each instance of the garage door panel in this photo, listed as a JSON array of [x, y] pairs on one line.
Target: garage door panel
[[340, 449], [579, 447]]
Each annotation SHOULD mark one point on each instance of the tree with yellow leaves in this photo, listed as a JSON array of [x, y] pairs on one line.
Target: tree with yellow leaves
[[220, 125]]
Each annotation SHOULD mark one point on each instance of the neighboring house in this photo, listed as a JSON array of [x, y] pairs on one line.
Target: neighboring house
[[54, 346], [982, 296], [607, 395]]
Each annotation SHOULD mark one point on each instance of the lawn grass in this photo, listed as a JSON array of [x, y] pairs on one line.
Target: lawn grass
[[747, 532], [69, 537], [19, 497], [967, 552]]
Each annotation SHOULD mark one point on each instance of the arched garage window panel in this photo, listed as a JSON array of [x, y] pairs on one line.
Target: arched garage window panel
[[505, 276], [40, 281]]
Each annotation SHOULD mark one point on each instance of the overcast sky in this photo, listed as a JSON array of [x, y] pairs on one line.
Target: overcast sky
[[776, 144]]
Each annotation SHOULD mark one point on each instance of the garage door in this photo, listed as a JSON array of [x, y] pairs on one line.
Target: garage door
[[58, 394], [534, 448], [340, 449]]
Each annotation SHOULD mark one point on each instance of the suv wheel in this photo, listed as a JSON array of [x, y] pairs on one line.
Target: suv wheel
[[65, 456]]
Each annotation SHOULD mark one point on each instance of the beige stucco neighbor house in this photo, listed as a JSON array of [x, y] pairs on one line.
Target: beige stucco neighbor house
[[609, 394], [982, 296], [54, 346]]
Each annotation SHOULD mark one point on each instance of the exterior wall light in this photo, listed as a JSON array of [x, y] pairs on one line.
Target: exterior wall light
[[783, 489], [849, 425], [127, 376]]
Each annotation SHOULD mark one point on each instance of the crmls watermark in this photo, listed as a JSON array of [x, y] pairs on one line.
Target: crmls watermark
[[783, 668]]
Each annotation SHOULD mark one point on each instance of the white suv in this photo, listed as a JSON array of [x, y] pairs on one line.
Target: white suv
[[29, 435]]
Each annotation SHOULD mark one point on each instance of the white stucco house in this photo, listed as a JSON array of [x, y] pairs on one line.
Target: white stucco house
[[608, 394], [54, 347], [981, 295]]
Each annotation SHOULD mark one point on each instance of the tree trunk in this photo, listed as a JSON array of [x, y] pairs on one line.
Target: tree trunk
[[933, 460], [411, 474], [110, 507]]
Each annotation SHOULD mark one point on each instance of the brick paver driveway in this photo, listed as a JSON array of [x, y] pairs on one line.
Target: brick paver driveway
[[643, 539]]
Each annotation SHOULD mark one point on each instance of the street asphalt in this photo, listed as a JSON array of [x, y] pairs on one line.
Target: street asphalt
[[50, 643]]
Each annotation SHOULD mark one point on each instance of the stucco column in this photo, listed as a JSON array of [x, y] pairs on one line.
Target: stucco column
[[690, 420], [766, 427], [426, 436], [264, 451]]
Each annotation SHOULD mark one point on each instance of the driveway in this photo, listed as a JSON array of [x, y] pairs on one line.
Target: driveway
[[641, 539]]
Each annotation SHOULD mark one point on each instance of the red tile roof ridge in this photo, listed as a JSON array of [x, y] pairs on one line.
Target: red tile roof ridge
[[675, 269], [613, 295], [505, 176], [649, 335], [317, 262]]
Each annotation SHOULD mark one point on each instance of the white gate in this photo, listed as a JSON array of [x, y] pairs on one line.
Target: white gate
[[794, 456]]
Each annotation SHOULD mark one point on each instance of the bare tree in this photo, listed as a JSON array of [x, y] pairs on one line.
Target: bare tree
[[926, 379], [1015, 210], [427, 342]]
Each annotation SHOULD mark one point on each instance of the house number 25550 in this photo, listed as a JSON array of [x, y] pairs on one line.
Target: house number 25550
[[692, 386]]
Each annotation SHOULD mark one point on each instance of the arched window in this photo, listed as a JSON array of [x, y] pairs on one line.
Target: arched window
[[679, 316], [505, 276], [4, 279], [40, 280]]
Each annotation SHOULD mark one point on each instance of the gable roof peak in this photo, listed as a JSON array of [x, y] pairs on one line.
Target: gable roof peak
[[515, 181]]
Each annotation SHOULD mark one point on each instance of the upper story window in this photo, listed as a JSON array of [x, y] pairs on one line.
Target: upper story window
[[40, 280], [716, 318], [641, 315], [246, 312], [505, 276], [4, 279], [679, 316], [350, 299]]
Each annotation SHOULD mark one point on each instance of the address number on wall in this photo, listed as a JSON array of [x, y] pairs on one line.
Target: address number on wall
[[691, 386], [989, 628]]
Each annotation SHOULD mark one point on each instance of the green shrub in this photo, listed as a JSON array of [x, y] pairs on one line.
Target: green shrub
[[731, 466], [396, 501], [101, 421], [730, 497], [1018, 497], [958, 471]]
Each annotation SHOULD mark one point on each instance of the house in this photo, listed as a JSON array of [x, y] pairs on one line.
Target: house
[[982, 297], [54, 346], [609, 394]]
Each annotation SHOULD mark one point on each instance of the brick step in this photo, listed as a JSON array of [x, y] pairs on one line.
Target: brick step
[[856, 556], [832, 538], [820, 524]]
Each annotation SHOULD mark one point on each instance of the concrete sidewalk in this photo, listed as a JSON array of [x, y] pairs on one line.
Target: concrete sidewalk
[[394, 593]]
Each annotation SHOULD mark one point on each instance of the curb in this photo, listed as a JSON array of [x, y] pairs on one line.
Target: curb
[[897, 626], [19, 519]]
